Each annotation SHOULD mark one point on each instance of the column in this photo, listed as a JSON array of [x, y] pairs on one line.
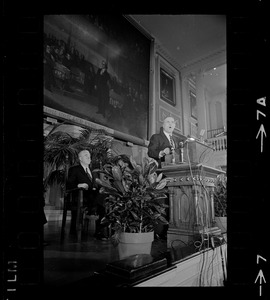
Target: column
[[201, 103]]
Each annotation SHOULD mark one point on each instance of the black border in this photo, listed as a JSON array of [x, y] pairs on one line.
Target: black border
[[22, 156], [247, 206], [248, 59]]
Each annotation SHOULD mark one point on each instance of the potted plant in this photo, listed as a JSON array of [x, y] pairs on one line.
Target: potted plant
[[220, 201], [134, 202]]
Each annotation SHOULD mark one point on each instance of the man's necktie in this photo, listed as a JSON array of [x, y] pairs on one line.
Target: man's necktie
[[172, 142], [87, 171]]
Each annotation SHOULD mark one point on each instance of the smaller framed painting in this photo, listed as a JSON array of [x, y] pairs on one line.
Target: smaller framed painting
[[168, 83], [193, 105], [167, 87]]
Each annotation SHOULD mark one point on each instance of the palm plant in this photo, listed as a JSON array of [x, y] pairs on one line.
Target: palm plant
[[61, 151], [134, 195]]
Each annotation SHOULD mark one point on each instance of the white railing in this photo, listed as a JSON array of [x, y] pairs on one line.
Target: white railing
[[218, 143], [215, 132]]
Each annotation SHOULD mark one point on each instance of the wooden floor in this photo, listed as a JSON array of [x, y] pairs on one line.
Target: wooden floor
[[69, 261]]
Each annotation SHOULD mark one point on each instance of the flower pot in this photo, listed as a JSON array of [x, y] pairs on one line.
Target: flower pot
[[135, 243], [221, 222]]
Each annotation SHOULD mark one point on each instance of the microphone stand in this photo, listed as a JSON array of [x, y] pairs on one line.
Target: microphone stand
[[173, 156], [181, 145]]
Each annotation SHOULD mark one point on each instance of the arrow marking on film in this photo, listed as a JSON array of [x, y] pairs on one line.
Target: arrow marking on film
[[260, 275], [262, 132], [258, 257]]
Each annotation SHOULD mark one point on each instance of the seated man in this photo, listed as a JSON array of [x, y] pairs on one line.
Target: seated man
[[80, 176]]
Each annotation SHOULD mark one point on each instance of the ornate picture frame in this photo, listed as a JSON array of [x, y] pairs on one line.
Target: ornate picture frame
[[167, 87], [193, 105], [168, 80]]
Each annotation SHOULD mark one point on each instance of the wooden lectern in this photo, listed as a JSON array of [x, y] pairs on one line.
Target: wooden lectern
[[191, 201]]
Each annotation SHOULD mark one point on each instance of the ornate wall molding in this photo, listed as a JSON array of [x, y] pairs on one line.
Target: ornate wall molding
[[79, 121], [163, 52], [204, 63]]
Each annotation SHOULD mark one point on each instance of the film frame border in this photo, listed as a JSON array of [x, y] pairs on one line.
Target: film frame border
[[28, 107]]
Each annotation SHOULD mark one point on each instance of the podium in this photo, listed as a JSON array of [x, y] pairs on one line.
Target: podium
[[191, 201]]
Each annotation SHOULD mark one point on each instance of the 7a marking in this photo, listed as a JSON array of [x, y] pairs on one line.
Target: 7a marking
[[262, 132], [260, 274]]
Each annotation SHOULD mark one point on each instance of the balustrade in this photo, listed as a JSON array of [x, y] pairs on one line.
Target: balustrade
[[215, 132], [218, 143]]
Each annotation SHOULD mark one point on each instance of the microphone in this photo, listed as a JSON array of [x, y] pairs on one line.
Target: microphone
[[181, 146]]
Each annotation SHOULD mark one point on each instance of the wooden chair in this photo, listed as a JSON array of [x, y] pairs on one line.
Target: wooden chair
[[73, 203]]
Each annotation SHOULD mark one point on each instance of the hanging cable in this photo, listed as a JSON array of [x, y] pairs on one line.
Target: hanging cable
[[223, 266], [195, 190]]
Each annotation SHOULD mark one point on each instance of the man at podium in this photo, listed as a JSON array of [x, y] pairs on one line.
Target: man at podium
[[164, 145]]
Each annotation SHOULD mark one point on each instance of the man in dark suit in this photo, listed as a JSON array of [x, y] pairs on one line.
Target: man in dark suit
[[163, 143], [103, 86], [80, 176], [49, 64]]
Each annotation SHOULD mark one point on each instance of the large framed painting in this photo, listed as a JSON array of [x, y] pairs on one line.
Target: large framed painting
[[96, 67]]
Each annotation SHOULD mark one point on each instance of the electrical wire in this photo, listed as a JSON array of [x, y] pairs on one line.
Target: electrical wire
[[223, 266], [196, 206], [188, 211], [223, 229], [198, 244], [206, 190], [203, 254], [205, 152], [202, 266], [203, 211], [191, 174], [206, 195], [211, 265]]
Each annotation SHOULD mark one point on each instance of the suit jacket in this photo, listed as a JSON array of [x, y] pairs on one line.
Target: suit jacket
[[76, 175], [158, 142]]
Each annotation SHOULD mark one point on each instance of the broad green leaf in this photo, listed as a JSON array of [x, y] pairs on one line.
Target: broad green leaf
[[159, 177], [117, 174], [161, 184], [133, 162], [135, 216], [105, 184], [118, 184]]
